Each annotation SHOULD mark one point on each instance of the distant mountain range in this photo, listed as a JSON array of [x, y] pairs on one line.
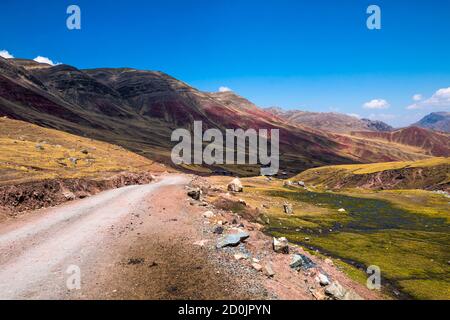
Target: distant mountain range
[[139, 110], [330, 121], [439, 121]]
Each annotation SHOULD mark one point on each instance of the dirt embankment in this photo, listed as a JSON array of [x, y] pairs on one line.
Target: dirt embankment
[[46, 193]]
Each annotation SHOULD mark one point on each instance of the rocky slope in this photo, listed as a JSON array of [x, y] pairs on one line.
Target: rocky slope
[[139, 110], [439, 121], [330, 121]]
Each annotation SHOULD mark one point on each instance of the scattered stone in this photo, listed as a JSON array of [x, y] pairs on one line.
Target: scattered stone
[[243, 202], [300, 261], [287, 183], [134, 261], [69, 195], [255, 260], [73, 160], [39, 147], [257, 266], [329, 261], [232, 240], [84, 151], [322, 279], [239, 256], [235, 186], [195, 194], [337, 292], [319, 295], [301, 184], [268, 270], [341, 210], [281, 245], [208, 214], [288, 208], [218, 230]]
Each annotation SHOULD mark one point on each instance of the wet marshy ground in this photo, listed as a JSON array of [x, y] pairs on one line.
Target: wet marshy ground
[[412, 249]]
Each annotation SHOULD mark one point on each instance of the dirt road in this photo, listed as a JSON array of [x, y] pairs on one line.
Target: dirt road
[[134, 242]]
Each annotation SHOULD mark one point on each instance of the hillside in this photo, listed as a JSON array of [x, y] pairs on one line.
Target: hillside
[[330, 121], [430, 142], [138, 110], [439, 121], [32, 153], [430, 174]]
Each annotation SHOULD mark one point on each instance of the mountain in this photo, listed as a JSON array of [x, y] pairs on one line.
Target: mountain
[[139, 110], [439, 121], [330, 121], [430, 174], [432, 143]]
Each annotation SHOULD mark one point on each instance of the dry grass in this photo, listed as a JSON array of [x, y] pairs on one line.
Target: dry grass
[[29, 153]]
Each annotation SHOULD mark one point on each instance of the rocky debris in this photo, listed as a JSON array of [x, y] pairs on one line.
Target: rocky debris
[[39, 147], [281, 245], [322, 279], [232, 240], [300, 261], [73, 160], [319, 295], [342, 210], [68, 195], [287, 183], [218, 230], [85, 151], [195, 194], [268, 270], [257, 266], [288, 209], [329, 261], [337, 292], [243, 202], [134, 261], [301, 184], [208, 214], [38, 194], [235, 186], [240, 256]]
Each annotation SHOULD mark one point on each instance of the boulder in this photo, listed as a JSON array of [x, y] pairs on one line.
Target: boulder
[[288, 208], [300, 261], [342, 210], [322, 279], [218, 230], [235, 186], [337, 292], [239, 256], [208, 214], [281, 245], [257, 266], [232, 240], [195, 193], [268, 270]]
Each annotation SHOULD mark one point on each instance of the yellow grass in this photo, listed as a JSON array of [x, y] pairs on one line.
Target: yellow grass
[[29, 153]]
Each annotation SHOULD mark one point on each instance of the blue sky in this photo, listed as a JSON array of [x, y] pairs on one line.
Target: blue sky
[[311, 55]]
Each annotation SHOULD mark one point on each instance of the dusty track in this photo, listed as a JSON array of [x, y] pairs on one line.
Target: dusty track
[[134, 242]]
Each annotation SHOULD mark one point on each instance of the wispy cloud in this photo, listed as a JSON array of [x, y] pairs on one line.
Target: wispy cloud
[[439, 100], [5, 54], [225, 89], [46, 60], [376, 104], [417, 97]]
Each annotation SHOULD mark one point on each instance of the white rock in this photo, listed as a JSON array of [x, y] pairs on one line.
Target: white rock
[[281, 245], [208, 214]]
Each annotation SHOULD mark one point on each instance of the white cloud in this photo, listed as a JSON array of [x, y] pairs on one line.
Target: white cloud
[[46, 60], [354, 115], [376, 104], [417, 97], [439, 100], [225, 89], [5, 54]]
